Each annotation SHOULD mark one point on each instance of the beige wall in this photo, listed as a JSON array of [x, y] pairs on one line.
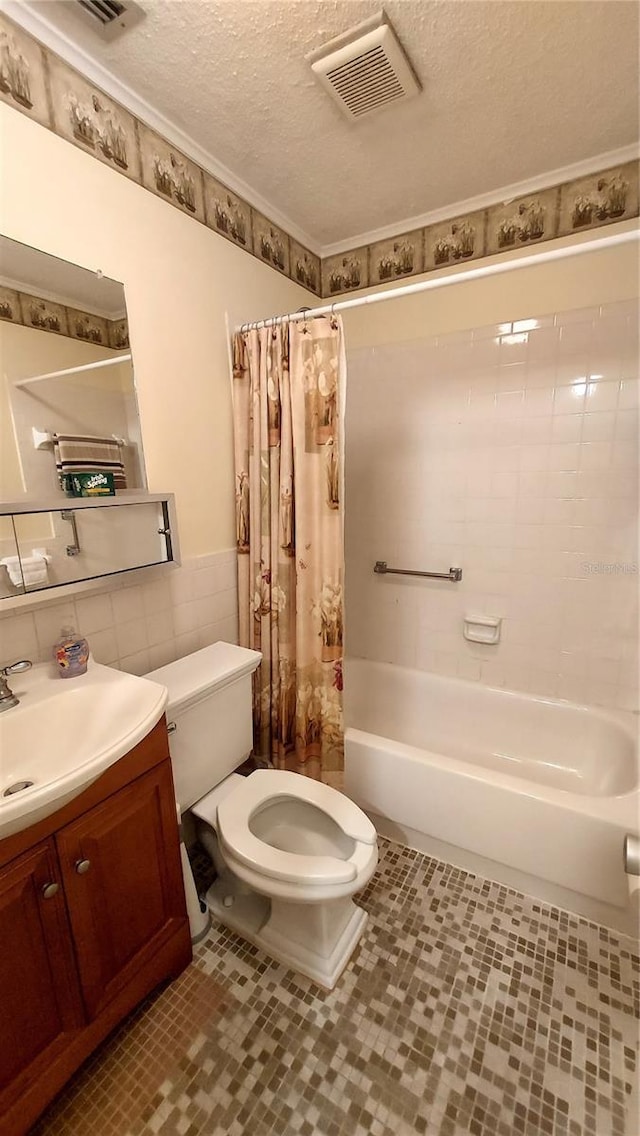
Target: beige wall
[[180, 279], [590, 279]]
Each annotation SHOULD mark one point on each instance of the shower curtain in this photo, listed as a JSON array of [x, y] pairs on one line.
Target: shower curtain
[[288, 383]]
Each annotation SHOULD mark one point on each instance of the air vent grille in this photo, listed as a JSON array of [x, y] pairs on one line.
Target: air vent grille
[[366, 73], [104, 10], [366, 82], [110, 19]]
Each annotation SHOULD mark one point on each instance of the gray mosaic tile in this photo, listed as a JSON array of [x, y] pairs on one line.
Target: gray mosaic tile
[[467, 1009]]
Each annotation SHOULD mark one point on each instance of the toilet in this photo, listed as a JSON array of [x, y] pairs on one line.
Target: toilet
[[290, 853]]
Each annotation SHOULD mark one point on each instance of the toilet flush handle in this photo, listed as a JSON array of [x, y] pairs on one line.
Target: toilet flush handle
[[171, 727]]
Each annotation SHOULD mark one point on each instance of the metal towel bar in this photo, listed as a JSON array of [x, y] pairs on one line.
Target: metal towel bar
[[381, 568]]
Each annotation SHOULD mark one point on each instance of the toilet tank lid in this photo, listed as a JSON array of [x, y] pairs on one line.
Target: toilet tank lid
[[188, 679]]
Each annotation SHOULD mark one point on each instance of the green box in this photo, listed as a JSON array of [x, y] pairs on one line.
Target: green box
[[95, 484]]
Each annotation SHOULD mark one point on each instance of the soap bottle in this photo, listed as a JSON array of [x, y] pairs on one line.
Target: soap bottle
[[71, 653]]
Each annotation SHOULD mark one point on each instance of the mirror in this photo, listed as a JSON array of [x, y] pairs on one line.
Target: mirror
[[66, 374], [73, 544], [69, 417], [85, 540]]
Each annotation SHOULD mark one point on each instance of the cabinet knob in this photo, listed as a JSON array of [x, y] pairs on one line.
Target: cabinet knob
[[49, 890], [82, 866]]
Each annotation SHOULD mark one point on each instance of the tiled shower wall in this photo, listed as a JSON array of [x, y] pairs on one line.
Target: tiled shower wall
[[140, 623], [511, 451]]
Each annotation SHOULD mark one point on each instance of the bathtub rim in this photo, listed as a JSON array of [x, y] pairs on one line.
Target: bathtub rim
[[627, 720], [622, 808]]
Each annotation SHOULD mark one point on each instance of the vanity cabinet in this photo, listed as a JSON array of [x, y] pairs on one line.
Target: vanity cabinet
[[41, 1006], [92, 918], [123, 900]]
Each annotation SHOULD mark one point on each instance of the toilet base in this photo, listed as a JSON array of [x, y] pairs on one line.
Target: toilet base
[[315, 939]]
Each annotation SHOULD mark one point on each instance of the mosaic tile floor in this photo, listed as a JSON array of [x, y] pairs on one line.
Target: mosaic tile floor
[[467, 1008]]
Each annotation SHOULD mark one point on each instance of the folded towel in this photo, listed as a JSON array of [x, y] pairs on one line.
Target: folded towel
[[83, 453], [26, 571]]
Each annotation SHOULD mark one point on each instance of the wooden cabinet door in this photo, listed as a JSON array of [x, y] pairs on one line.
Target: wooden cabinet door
[[40, 1004], [123, 882]]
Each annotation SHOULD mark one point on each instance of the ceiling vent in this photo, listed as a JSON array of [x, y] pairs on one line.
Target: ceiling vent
[[110, 18], [366, 69]]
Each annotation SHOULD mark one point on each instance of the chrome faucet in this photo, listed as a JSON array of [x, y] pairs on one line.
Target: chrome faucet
[[7, 698]]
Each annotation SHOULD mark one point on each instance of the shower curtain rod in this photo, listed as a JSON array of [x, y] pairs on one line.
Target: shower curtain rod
[[608, 241], [74, 370]]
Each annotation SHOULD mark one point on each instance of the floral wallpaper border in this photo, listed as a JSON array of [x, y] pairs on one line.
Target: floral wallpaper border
[[38, 83], [28, 310], [571, 207]]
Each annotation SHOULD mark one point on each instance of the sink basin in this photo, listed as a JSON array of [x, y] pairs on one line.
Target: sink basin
[[65, 733]]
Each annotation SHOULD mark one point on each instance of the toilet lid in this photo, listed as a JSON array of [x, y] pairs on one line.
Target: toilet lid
[[236, 810]]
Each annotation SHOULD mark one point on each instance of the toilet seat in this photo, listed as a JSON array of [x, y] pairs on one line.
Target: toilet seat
[[266, 786]]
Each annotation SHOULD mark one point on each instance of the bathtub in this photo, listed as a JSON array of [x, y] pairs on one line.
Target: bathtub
[[532, 792]]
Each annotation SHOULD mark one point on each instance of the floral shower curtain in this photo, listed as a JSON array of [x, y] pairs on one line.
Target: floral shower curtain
[[287, 387]]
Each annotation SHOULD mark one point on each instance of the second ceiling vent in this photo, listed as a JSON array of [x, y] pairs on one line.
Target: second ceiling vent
[[365, 69]]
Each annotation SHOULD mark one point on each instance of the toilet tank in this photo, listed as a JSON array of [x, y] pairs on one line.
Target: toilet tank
[[210, 704]]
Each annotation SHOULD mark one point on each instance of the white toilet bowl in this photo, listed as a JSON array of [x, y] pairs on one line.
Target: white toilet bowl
[[288, 836], [292, 854]]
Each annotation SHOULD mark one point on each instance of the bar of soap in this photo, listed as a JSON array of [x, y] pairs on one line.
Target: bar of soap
[[92, 484]]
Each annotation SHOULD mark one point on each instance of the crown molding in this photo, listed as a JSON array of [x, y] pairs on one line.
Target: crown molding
[[500, 196], [29, 16]]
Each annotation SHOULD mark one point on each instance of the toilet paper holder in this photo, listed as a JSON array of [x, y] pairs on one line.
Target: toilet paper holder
[[631, 854]]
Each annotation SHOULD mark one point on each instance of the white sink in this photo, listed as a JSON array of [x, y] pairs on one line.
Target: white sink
[[65, 733]]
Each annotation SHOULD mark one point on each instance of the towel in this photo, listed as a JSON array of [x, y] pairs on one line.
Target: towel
[[26, 571], [83, 453]]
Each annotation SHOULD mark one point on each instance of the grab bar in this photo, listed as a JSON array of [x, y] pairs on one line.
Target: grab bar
[[69, 515], [454, 574]]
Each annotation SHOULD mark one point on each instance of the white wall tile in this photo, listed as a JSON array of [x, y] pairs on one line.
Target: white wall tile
[[569, 400], [187, 643], [524, 472], [94, 613], [139, 626], [156, 596], [127, 604], [137, 664], [601, 395], [104, 646], [131, 636], [204, 582], [18, 639], [159, 627]]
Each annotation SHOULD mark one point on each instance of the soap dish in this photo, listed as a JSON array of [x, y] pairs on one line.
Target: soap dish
[[482, 628]]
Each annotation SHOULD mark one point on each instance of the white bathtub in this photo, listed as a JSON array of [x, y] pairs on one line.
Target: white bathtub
[[535, 793]]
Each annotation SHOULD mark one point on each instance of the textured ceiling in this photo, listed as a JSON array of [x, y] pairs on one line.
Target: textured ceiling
[[511, 89]]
